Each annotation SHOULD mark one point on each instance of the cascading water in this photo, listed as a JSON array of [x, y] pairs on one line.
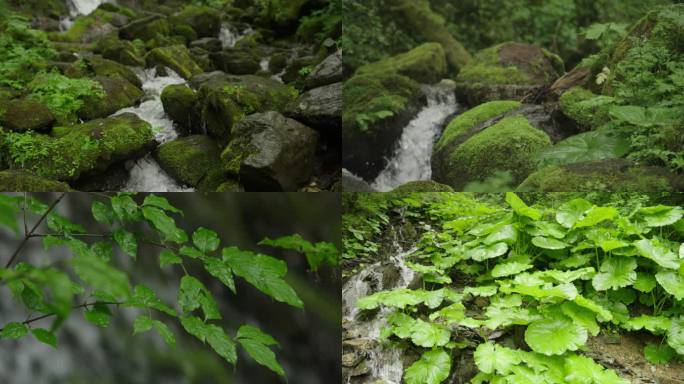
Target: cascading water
[[83, 7], [411, 159], [384, 360], [146, 174], [230, 35]]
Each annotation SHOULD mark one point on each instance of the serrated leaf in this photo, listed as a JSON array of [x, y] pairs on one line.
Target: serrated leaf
[[654, 324], [672, 282], [316, 254], [433, 367], [127, 242], [14, 331], [492, 358], [451, 313], [659, 353], [167, 257], [60, 224], [164, 224], [661, 215], [645, 282], [548, 243], [220, 270], [192, 295], [144, 297], [555, 335], [520, 208], [581, 316], [142, 324], [101, 275], [221, 342], [616, 272], [160, 202], [264, 272], [165, 333], [98, 315], [205, 240], [125, 208], [256, 343], [191, 252], [194, 326], [45, 336], [654, 250], [102, 213], [506, 233]]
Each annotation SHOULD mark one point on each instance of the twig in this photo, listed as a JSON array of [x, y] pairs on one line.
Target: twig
[[28, 235], [34, 319]]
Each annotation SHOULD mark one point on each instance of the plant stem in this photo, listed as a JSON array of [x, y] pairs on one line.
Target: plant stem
[[34, 319]]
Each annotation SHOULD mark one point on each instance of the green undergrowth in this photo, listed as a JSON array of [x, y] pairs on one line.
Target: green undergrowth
[[64, 96], [555, 274]]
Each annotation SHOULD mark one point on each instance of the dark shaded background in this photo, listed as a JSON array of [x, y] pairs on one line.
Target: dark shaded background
[[310, 338]]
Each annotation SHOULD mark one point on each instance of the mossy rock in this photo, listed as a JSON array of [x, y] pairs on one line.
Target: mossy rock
[[88, 28], [230, 186], [616, 175], [423, 186], [33, 8], [17, 181], [146, 28], [209, 44], [98, 66], [236, 61], [509, 145], [204, 20], [122, 51], [270, 152], [192, 160], [425, 64], [585, 108], [22, 115], [228, 99], [507, 71], [283, 15], [82, 149], [176, 57], [119, 94], [181, 104]]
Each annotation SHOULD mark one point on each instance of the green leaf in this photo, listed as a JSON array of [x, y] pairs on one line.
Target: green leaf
[[595, 145], [221, 343], [101, 276], [451, 313], [661, 215], [220, 270], [165, 225], [583, 370], [520, 208], [672, 282], [571, 212], [160, 202], [675, 335], [316, 254], [125, 208], [433, 367], [144, 297], [165, 333], [425, 334], [615, 272], [264, 272], [645, 282], [659, 353], [195, 327], [510, 268], [45, 336], [492, 358], [98, 315], [256, 343], [596, 215], [102, 213], [485, 252], [14, 331], [191, 252], [654, 250], [555, 335], [8, 213], [167, 257], [60, 224], [127, 242], [654, 324], [193, 295], [142, 324], [205, 240], [548, 243]]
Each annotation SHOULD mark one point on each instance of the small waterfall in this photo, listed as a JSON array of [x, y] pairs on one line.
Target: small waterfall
[[230, 35], [83, 7], [411, 159], [265, 64], [384, 360], [146, 174]]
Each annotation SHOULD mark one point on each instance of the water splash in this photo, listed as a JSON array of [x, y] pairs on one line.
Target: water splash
[[83, 7], [265, 64], [411, 159], [230, 35], [147, 175]]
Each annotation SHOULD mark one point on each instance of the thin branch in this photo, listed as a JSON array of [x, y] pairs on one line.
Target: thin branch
[[84, 305], [28, 235]]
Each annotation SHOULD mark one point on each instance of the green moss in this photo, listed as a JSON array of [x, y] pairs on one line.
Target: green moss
[[509, 145], [25, 115], [146, 29], [204, 20], [423, 186], [176, 57], [464, 122], [15, 181], [83, 25], [99, 66], [425, 64], [604, 176], [64, 96], [585, 108], [230, 186], [119, 93], [122, 51], [192, 160], [180, 103], [486, 68]]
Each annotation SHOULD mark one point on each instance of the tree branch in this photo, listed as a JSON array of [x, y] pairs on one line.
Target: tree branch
[[28, 235], [84, 305]]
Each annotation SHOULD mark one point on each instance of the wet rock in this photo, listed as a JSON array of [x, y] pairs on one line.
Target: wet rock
[[25, 115], [119, 93], [205, 21], [328, 71], [210, 44], [99, 66], [230, 186], [351, 359], [46, 24], [86, 149], [193, 161], [293, 71], [202, 58], [146, 28], [113, 179], [88, 28], [509, 71], [17, 181], [181, 104], [270, 152], [176, 57], [122, 51], [320, 108], [351, 183], [185, 31], [616, 175], [236, 61], [425, 64]]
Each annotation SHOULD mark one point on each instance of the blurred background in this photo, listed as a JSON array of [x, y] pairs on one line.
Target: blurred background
[[309, 339]]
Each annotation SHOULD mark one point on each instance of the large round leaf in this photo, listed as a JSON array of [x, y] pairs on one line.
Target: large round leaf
[[672, 282], [485, 252], [675, 336], [570, 212], [432, 368], [661, 215], [548, 243], [589, 146], [555, 335], [491, 358], [616, 272], [657, 252]]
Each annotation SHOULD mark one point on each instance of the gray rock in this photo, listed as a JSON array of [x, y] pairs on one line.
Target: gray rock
[[210, 44], [236, 61], [326, 72], [320, 108]]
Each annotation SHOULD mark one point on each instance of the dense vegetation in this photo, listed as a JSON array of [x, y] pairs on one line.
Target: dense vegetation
[[91, 279], [520, 289]]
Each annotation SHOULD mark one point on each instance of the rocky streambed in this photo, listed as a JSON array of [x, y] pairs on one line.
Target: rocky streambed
[[224, 98]]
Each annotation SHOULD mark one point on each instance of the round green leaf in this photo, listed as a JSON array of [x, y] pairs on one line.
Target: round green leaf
[[570, 212], [548, 243], [672, 282], [491, 358], [616, 272], [654, 250], [675, 336], [205, 240], [588, 146], [659, 353], [432, 368], [555, 335], [45, 336], [661, 215]]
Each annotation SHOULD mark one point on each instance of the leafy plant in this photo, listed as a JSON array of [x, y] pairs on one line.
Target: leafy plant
[[64, 96], [89, 280], [588, 146]]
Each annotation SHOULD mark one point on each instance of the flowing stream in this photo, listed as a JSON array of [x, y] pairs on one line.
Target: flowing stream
[[411, 158], [384, 360]]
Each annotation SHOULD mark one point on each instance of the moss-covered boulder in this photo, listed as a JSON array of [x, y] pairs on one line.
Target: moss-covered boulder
[[17, 181], [226, 99], [25, 115], [209, 44], [122, 51], [236, 61], [376, 108], [585, 108], [192, 160], [320, 108], [509, 145], [204, 20], [230, 186], [181, 104], [146, 28], [176, 57], [119, 93], [507, 71], [89, 28], [423, 186], [425, 64], [616, 175], [72, 152], [270, 152], [98, 66]]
